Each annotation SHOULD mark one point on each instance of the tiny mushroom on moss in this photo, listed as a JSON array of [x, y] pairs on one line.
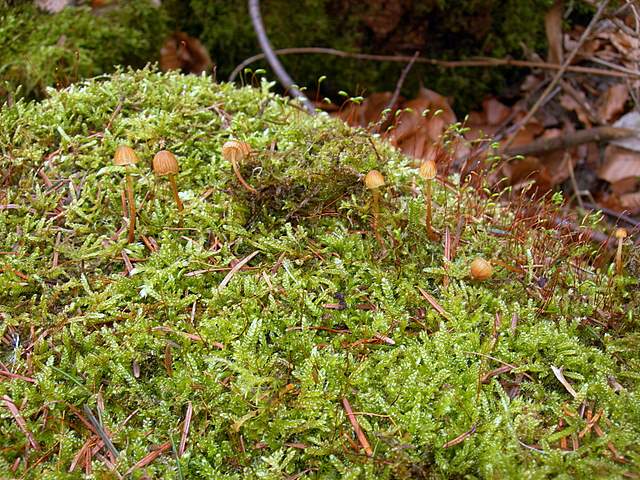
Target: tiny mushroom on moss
[[428, 172], [481, 269], [620, 234], [373, 181], [165, 163], [235, 151], [126, 157]]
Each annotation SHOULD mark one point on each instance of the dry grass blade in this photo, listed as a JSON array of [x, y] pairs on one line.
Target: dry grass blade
[[558, 373], [460, 438], [22, 425], [100, 431], [185, 429], [356, 428], [225, 281], [432, 301], [150, 457]]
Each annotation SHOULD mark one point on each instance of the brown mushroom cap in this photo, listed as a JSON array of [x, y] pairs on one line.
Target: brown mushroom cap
[[481, 269], [235, 150], [373, 180], [125, 156], [428, 170], [621, 233], [165, 163]]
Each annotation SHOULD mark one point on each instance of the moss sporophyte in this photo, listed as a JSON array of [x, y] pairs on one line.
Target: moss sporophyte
[[216, 348]]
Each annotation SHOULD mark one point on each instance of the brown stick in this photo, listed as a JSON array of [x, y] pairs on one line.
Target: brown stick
[[596, 134], [356, 427], [474, 62]]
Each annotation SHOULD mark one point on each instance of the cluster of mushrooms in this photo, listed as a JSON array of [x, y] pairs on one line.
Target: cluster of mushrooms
[[165, 164], [480, 269]]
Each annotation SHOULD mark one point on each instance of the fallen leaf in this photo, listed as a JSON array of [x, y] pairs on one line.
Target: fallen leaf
[[612, 103], [495, 111], [185, 53], [631, 202], [620, 163], [630, 120]]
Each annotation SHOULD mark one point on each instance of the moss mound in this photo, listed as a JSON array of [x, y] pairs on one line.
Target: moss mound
[[261, 358], [39, 50]]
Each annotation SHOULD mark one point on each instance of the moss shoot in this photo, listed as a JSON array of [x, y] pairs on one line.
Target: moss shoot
[[261, 313]]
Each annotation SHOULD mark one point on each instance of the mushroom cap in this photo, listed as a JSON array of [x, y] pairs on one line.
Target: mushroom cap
[[235, 150], [125, 156], [165, 163], [373, 180], [481, 269], [621, 233], [428, 170]]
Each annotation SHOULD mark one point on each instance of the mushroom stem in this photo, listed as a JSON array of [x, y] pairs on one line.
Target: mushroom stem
[[619, 257], [427, 201], [236, 170], [132, 208], [174, 189], [375, 222]]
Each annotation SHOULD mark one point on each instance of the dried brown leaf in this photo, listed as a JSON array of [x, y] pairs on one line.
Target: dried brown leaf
[[620, 163], [631, 202], [612, 103], [183, 52]]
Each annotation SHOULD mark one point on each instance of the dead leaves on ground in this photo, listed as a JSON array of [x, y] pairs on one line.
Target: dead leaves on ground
[[606, 173]]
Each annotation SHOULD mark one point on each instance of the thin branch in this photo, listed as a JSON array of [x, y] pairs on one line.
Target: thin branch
[[596, 134], [473, 62], [265, 44], [403, 77], [558, 75]]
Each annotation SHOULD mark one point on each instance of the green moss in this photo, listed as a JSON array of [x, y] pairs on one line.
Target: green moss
[[39, 50], [269, 404]]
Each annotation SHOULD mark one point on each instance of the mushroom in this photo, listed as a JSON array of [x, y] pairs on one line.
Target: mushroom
[[126, 157], [481, 269], [166, 164], [620, 234], [427, 172], [373, 181], [234, 151]]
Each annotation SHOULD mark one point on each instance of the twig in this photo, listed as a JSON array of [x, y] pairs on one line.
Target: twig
[[356, 427], [265, 44], [473, 62], [596, 134], [403, 77], [558, 75]]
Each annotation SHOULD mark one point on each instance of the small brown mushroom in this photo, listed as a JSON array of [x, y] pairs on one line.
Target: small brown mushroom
[[428, 172], [165, 164], [373, 181], [620, 234], [126, 157], [481, 269], [235, 151]]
